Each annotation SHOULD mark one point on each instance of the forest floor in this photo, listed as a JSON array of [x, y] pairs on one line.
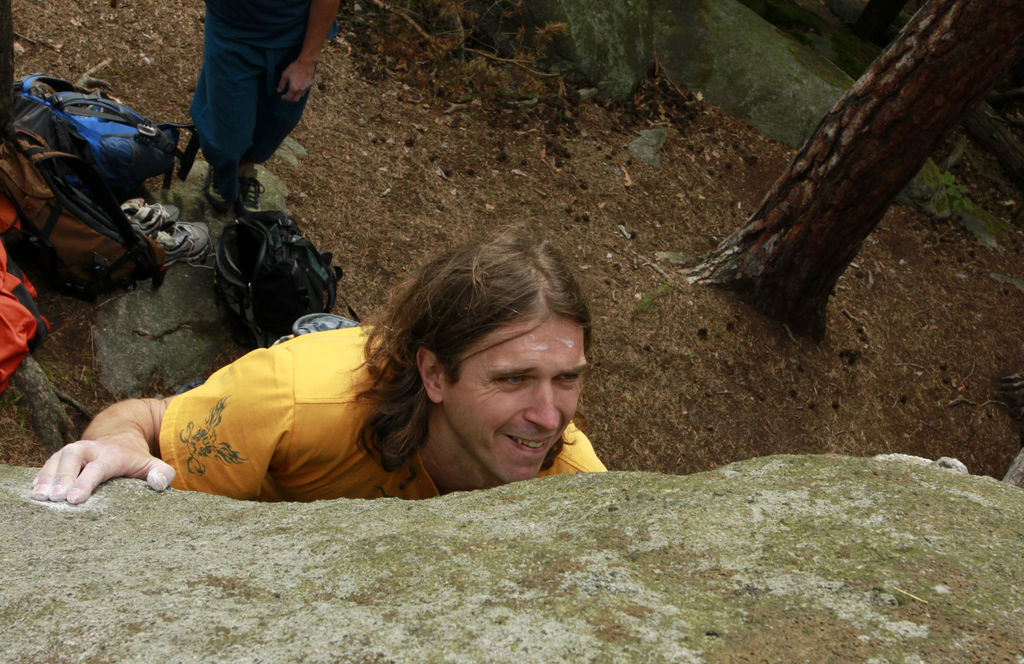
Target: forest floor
[[685, 378]]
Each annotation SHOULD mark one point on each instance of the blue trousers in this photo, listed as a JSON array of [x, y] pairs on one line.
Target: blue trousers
[[236, 107]]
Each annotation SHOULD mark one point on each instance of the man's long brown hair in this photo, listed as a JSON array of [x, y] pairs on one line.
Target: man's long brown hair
[[447, 306]]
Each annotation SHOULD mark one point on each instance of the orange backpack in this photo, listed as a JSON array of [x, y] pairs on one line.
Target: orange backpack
[[65, 209]]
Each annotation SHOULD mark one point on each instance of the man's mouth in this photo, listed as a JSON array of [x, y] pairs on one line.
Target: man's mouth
[[532, 444]]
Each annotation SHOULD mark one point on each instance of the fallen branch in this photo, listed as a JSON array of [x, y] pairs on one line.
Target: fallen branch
[[999, 99], [628, 180], [911, 596], [410, 20], [95, 68], [668, 79], [512, 61], [37, 42], [435, 42], [657, 268], [87, 82], [988, 128], [74, 403], [852, 318], [18, 35]]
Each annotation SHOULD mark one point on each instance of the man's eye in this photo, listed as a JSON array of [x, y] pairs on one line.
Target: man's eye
[[570, 377], [511, 380]]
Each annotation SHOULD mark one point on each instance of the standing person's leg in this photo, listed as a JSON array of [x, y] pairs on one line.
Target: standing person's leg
[[224, 110], [275, 119]]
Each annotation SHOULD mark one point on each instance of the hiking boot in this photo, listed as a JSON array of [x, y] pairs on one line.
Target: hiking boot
[[249, 190], [219, 203], [185, 242], [148, 218]]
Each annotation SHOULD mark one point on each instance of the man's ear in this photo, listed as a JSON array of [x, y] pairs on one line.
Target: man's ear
[[432, 374]]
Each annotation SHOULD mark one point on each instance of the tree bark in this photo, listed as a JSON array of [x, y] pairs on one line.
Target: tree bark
[[786, 259], [873, 23], [1015, 475], [6, 66], [986, 127], [49, 419], [1017, 72], [1011, 393]]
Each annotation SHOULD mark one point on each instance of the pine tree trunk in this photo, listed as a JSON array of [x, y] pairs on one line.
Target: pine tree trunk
[[50, 421], [6, 66], [786, 259]]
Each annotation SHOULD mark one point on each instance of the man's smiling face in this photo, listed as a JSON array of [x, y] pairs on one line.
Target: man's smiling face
[[516, 391]]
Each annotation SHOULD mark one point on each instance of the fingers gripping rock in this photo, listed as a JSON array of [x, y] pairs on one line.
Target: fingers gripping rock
[[160, 477]]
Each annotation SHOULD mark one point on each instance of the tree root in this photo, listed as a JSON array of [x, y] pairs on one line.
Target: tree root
[[50, 421]]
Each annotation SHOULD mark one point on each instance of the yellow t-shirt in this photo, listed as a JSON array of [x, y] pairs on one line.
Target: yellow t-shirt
[[281, 423]]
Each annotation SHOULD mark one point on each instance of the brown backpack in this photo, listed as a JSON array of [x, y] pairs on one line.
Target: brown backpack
[[67, 212]]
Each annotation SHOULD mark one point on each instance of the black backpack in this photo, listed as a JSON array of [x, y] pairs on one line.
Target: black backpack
[[268, 275], [121, 144]]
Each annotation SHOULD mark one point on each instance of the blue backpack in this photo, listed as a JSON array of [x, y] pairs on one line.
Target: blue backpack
[[123, 146]]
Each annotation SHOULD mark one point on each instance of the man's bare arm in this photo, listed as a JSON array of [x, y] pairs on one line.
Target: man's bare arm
[[123, 441], [298, 76]]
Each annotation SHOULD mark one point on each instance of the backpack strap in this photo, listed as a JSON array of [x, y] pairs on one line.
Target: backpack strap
[[94, 105], [57, 84], [336, 274], [186, 157]]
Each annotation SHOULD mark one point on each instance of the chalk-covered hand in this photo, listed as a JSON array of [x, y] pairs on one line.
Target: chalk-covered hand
[[74, 471], [120, 442]]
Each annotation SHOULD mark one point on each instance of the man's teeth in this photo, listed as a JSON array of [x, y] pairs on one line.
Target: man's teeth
[[529, 443]]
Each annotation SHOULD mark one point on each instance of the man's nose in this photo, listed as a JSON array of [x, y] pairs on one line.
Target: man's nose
[[542, 410]]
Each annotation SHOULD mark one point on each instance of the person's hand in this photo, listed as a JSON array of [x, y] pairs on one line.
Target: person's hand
[[296, 79], [74, 471]]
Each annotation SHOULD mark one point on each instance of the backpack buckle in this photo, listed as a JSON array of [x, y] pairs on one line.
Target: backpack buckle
[[148, 130]]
